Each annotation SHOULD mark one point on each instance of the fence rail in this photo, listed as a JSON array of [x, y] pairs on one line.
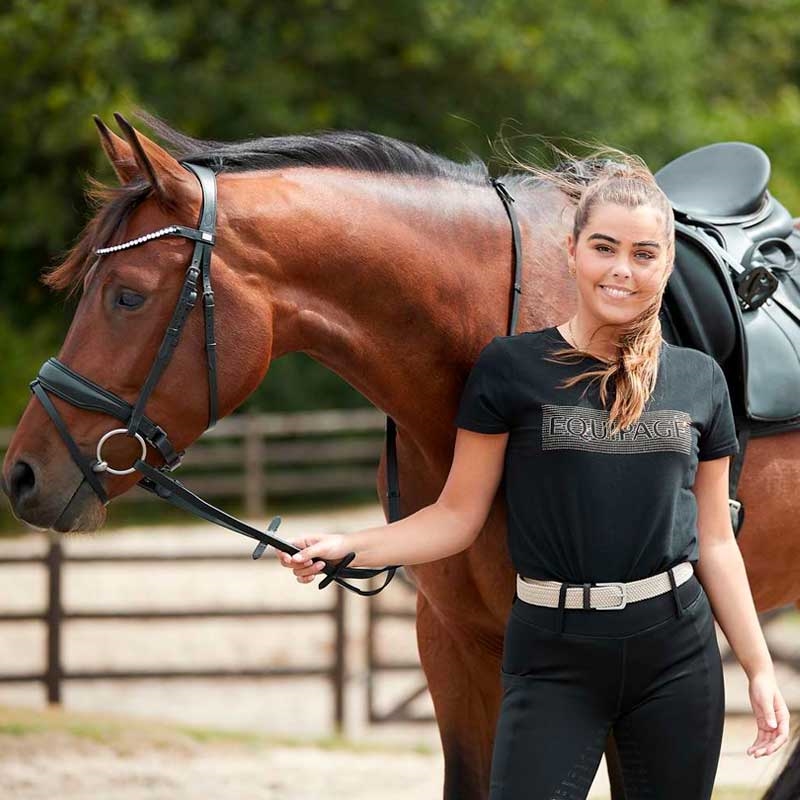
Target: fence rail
[[250, 454], [54, 615], [399, 710], [244, 457], [247, 456]]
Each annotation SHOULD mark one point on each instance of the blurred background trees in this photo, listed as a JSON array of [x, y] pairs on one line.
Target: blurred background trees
[[654, 77]]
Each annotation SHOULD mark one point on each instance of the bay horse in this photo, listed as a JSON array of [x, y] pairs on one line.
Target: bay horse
[[388, 265]]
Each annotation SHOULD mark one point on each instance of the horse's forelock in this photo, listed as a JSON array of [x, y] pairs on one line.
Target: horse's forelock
[[114, 205]]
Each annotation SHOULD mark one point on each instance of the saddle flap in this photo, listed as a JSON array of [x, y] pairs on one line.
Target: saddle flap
[[757, 346]]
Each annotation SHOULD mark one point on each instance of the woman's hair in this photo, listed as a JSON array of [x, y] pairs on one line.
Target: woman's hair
[[609, 175]]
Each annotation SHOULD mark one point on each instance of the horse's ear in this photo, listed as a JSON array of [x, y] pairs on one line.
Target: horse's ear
[[119, 153], [167, 177]]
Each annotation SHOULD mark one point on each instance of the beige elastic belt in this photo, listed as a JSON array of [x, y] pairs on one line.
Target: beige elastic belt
[[601, 596]]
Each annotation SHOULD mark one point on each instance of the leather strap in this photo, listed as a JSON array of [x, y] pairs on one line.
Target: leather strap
[[79, 391], [167, 488], [735, 506], [516, 256], [207, 224], [84, 464], [172, 336], [392, 482], [200, 265], [392, 475]]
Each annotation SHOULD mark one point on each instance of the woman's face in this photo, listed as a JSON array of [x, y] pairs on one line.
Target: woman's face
[[619, 261]]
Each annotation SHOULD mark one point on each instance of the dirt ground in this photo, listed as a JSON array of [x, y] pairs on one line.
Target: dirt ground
[[73, 756], [271, 739], [70, 756]]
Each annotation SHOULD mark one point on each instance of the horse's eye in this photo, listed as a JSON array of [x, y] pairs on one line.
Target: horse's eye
[[129, 300]]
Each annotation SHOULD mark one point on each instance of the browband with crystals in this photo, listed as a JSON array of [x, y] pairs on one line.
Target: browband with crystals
[[170, 230]]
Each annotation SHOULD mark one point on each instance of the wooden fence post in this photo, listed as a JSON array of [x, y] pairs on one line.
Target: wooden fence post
[[340, 666], [55, 558], [254, 500]]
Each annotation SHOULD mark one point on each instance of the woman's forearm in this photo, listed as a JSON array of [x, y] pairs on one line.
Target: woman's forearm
[[429, 534], [721, 570]]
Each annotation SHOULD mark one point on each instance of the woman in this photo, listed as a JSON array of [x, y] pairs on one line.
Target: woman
[[613, 446]]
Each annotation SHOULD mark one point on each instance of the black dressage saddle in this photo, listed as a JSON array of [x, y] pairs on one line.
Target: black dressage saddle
[[735, 289]]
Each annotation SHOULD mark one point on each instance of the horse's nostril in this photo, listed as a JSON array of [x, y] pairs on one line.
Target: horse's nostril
[[21, 482]]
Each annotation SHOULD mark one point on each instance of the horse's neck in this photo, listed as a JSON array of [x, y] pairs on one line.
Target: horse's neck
[[389, 281]]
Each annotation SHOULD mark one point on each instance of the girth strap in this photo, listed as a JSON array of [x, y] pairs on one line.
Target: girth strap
[[392, 475], [735, 507], [392, 481], [516, 254]]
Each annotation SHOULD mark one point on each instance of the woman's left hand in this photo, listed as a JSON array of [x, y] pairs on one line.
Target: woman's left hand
[[771, 713]]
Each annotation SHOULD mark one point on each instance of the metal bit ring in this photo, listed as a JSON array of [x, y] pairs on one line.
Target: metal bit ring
[[102, 466]]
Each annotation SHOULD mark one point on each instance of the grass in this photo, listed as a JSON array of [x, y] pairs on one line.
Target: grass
[[333, 742], [792, 618], [21, 727], [125, 734]]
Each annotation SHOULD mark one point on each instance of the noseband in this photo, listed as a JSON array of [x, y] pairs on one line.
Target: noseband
[[57, 378]]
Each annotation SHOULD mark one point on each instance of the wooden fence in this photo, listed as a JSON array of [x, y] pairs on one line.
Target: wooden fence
[[244, 457], [301, 453], [400, 710], [54, 615]]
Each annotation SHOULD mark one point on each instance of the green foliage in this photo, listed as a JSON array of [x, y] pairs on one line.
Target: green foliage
[[654, 77], [22, 350], [296, 383]]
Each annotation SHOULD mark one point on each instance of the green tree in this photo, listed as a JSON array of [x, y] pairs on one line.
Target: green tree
[[654, 77]]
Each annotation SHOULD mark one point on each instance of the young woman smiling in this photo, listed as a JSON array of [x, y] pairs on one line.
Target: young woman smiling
[[612, 447]]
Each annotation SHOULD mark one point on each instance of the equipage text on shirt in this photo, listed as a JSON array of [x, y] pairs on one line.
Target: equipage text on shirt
[[584, 506]]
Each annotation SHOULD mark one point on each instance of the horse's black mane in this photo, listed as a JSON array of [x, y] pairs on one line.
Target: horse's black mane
[[354, 150]]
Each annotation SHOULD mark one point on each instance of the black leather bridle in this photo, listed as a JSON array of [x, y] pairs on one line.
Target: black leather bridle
[[57, 378]]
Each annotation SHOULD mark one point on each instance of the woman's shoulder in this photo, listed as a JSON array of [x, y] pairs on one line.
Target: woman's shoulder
[[527, 339], [687, 355], [505, 352], [510, 347], [692, 366]]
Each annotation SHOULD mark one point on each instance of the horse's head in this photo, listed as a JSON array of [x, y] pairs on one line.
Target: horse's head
[[128, 301]]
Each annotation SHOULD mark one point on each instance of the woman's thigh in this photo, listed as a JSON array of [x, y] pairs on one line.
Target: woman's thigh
[[669, 730], [560, 695]]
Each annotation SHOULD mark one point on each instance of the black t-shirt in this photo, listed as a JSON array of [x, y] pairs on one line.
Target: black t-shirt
[[584, 507]]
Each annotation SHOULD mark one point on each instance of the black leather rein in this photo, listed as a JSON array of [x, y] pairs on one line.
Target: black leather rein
[[58, 379]]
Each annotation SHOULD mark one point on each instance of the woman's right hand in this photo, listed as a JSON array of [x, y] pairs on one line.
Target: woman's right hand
[[329, 547]]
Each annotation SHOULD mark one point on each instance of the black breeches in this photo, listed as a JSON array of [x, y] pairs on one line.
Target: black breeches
[[652, 676]]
